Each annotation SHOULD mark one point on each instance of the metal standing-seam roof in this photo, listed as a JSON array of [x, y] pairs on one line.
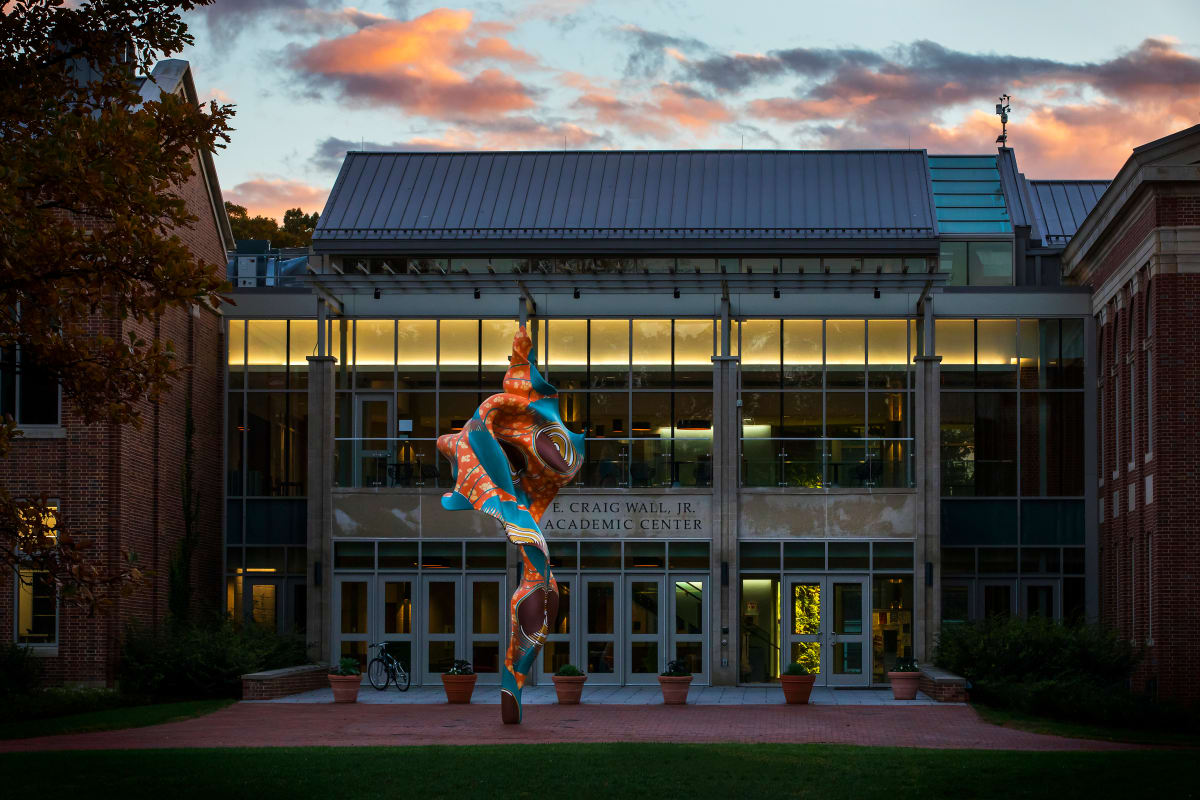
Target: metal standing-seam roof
[[648, 195], [1061, 206]]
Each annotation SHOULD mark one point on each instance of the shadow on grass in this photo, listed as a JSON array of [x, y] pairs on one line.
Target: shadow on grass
[[111, 719], [602, 770], [1078, 730]]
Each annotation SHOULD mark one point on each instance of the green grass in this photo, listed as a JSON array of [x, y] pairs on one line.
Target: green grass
[[110, 719], [1080, 730], [600, 770]]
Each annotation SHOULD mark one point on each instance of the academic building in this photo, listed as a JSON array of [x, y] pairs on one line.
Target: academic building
[[833, 401]]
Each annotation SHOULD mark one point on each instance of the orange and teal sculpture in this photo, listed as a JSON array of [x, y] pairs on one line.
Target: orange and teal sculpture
[[509, 461]]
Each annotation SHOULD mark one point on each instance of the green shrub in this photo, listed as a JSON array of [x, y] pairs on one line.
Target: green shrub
[[796, 668], [346, 668], [20, 671], [676, 669], [58, 701], [202, 661], [569, 671], [1071, 672]]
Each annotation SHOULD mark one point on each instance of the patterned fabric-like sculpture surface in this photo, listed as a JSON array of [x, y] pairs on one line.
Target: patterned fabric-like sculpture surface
[[509, 461]]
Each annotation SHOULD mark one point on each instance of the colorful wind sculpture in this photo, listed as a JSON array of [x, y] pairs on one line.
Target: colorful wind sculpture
[[509, 461]]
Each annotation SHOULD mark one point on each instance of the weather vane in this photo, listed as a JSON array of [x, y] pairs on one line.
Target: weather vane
[[1002, 109]]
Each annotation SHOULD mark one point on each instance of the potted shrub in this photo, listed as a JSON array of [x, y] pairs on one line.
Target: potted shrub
[[568, 684], [675, 683], [904, 677], [459, 682], [797, 683], [345, 680]]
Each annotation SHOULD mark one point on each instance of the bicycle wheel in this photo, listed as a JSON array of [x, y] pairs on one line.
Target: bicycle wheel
[[377, 673], [402, 677]]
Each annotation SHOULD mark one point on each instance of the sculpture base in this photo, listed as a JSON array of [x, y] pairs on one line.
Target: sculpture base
[[510, 712]]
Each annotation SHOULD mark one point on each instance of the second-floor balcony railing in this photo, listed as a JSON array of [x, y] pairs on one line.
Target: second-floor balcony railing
[[651, 463], [827, 463], [608, 463]]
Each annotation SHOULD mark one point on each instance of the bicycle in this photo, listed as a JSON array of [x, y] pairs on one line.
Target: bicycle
[[385, 668]]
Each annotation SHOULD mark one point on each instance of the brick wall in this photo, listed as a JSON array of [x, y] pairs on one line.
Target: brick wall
[[1149, 551], [280, 683], [119, 487]]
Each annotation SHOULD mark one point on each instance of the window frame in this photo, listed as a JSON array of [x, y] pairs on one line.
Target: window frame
[[43, 648]]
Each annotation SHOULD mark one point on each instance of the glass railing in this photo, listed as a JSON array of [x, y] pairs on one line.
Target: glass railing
[[607, 463], [827, 463]]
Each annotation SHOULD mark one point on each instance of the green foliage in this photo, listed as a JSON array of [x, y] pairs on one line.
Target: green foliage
[[1071, 672], [460, 667], [346, 668], [797, 668], [677, 669], [906, 665], [296, 231], [202, 661], [20, 672], [569, 671], [59, 701]]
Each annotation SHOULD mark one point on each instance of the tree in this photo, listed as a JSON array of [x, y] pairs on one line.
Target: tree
[[89, 256], [297, 229]]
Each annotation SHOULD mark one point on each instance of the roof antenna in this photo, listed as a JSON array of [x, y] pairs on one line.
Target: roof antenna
[[1002, 109], [743, 141]]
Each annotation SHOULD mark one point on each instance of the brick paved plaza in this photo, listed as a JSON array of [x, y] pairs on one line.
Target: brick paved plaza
[[325, 724]]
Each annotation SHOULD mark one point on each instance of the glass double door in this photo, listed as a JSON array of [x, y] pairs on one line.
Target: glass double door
[[429, 621], [633, 625], [826, 627]]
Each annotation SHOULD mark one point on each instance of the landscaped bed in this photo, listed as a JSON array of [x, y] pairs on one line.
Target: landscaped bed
[[110, 719], [625, 770]]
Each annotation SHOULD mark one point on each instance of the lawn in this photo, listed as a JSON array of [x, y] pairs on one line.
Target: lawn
[[1079, 730], [598, 770], [110, 719]]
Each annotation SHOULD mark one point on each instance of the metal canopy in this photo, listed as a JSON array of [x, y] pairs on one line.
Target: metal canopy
[[340, 285], [439, 201]]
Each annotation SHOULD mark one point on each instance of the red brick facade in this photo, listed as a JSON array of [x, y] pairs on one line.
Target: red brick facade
[[120, 486], [1149, 335]]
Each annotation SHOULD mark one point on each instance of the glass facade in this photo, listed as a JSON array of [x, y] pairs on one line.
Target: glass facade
[[1012, 445], [826, 403]]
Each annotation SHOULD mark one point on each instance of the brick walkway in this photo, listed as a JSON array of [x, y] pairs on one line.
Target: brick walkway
[[280, 725]]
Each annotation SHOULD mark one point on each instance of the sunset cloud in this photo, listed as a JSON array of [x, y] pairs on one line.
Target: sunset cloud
[[270, 196], [442, 65], [667, 111]]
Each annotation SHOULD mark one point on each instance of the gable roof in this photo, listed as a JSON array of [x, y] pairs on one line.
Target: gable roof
[[172, 75], [646, 195]]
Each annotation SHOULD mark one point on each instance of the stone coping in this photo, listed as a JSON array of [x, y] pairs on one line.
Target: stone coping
[[283, 672], [939, 675]]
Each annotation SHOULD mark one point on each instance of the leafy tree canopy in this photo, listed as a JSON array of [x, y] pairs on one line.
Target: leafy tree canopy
[[296, 231], [89, 215]]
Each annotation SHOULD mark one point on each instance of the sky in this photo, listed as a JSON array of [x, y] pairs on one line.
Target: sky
[[311, 79]]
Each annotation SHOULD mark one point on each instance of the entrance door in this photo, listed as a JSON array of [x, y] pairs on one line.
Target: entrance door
[[350, 618], [443, 625], [849, 632], [263, 603], [688, 623], [601, 645], [1039, 598], [397, 609], [826, 627], [487, 625], [645, 628], [374, 446], [997, 599]]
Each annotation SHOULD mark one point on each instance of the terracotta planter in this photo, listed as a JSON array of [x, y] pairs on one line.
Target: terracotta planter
[[345, 687], [674, 690], [459, 688], [904, 684], [797, 688], [568, 688]]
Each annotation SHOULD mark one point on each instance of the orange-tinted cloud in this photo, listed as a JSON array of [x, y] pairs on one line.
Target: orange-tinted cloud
[[270, 197], [431, 65], [661, 114]]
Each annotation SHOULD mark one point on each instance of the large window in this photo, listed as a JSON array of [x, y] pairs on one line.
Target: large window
[[27, 393], [826, 403], [1012, 440], [576, 265], [37, 602], [978, 263], [403, 383]]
